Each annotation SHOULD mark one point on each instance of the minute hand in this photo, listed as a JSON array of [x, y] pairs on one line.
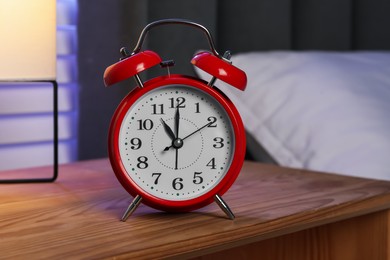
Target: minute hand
[[206, 125]]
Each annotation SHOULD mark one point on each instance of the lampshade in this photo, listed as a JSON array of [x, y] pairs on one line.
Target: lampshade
[[28, 40]]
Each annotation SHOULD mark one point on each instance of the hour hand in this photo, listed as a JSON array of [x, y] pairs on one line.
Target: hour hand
[[168, 130]]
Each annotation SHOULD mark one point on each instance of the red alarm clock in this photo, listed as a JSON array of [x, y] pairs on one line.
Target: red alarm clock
[[176, 143]]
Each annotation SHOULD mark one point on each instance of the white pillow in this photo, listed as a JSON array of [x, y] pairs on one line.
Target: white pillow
[[326, 111]]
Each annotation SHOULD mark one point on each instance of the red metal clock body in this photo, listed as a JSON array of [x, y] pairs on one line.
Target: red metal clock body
[[177, 205], [176, 142]]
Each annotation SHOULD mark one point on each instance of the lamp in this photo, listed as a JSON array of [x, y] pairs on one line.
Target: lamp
[[28, 40], [28, 53]]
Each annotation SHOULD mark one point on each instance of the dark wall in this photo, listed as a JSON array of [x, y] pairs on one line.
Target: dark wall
[[372, 22], [341, 25], [104, 26], [325, 25], [254, 25]]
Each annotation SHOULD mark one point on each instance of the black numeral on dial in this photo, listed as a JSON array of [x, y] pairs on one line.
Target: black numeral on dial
[[158, 174], [197, 110], [146, 124], [142, 162], [180, 102], [158, 109], [136, 143], [211, 164], [177, 183], [213, 121], [218, 142], [197, 178]]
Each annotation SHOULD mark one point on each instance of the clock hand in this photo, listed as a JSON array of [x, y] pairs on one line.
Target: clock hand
[[206, 125], [168, 130], [177, 120], [182, 139], [177, 154]]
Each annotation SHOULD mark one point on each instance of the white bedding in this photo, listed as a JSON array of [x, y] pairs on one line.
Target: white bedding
[[326, 111]]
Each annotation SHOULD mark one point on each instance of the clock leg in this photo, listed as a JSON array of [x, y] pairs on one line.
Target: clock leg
[[132, 207], [222, 204]]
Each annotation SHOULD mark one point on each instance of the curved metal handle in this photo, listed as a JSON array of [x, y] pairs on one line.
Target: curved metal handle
[[175, 21]]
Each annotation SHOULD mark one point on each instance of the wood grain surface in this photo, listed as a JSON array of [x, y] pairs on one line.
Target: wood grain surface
[[77, 217]]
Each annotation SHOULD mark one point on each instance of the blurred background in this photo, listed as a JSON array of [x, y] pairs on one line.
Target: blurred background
[[90, 34]]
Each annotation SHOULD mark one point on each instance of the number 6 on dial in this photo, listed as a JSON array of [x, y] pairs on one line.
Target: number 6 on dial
[[176, 143]]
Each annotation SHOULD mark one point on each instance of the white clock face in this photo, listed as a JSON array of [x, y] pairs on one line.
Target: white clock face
[[176, 142]]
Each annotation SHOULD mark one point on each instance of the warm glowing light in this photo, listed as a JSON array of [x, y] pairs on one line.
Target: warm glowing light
[[28, 40]]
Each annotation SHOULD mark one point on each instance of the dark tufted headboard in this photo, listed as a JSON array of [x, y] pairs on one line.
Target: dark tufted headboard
[[304, 25]]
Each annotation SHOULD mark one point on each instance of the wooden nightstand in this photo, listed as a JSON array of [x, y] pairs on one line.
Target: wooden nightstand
[[281, 213]]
